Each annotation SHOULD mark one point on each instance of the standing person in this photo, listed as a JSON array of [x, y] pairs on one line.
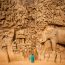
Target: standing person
[[35, 53], [32, 58]]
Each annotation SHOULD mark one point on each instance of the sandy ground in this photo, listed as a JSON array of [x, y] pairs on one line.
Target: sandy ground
[[37, 62], [3, 57]]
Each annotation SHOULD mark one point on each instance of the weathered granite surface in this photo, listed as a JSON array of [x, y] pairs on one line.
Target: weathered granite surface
[[22, 23]]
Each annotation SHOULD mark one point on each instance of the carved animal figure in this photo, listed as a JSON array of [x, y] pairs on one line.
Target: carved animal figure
[[54, 34]]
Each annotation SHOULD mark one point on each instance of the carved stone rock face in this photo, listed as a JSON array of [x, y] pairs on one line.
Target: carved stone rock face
[[29, 3], [29, 24]]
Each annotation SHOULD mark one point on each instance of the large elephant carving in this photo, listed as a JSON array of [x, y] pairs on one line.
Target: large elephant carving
[[54, 34]]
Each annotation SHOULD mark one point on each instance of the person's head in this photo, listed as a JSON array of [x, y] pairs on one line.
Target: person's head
[[32, 54]]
